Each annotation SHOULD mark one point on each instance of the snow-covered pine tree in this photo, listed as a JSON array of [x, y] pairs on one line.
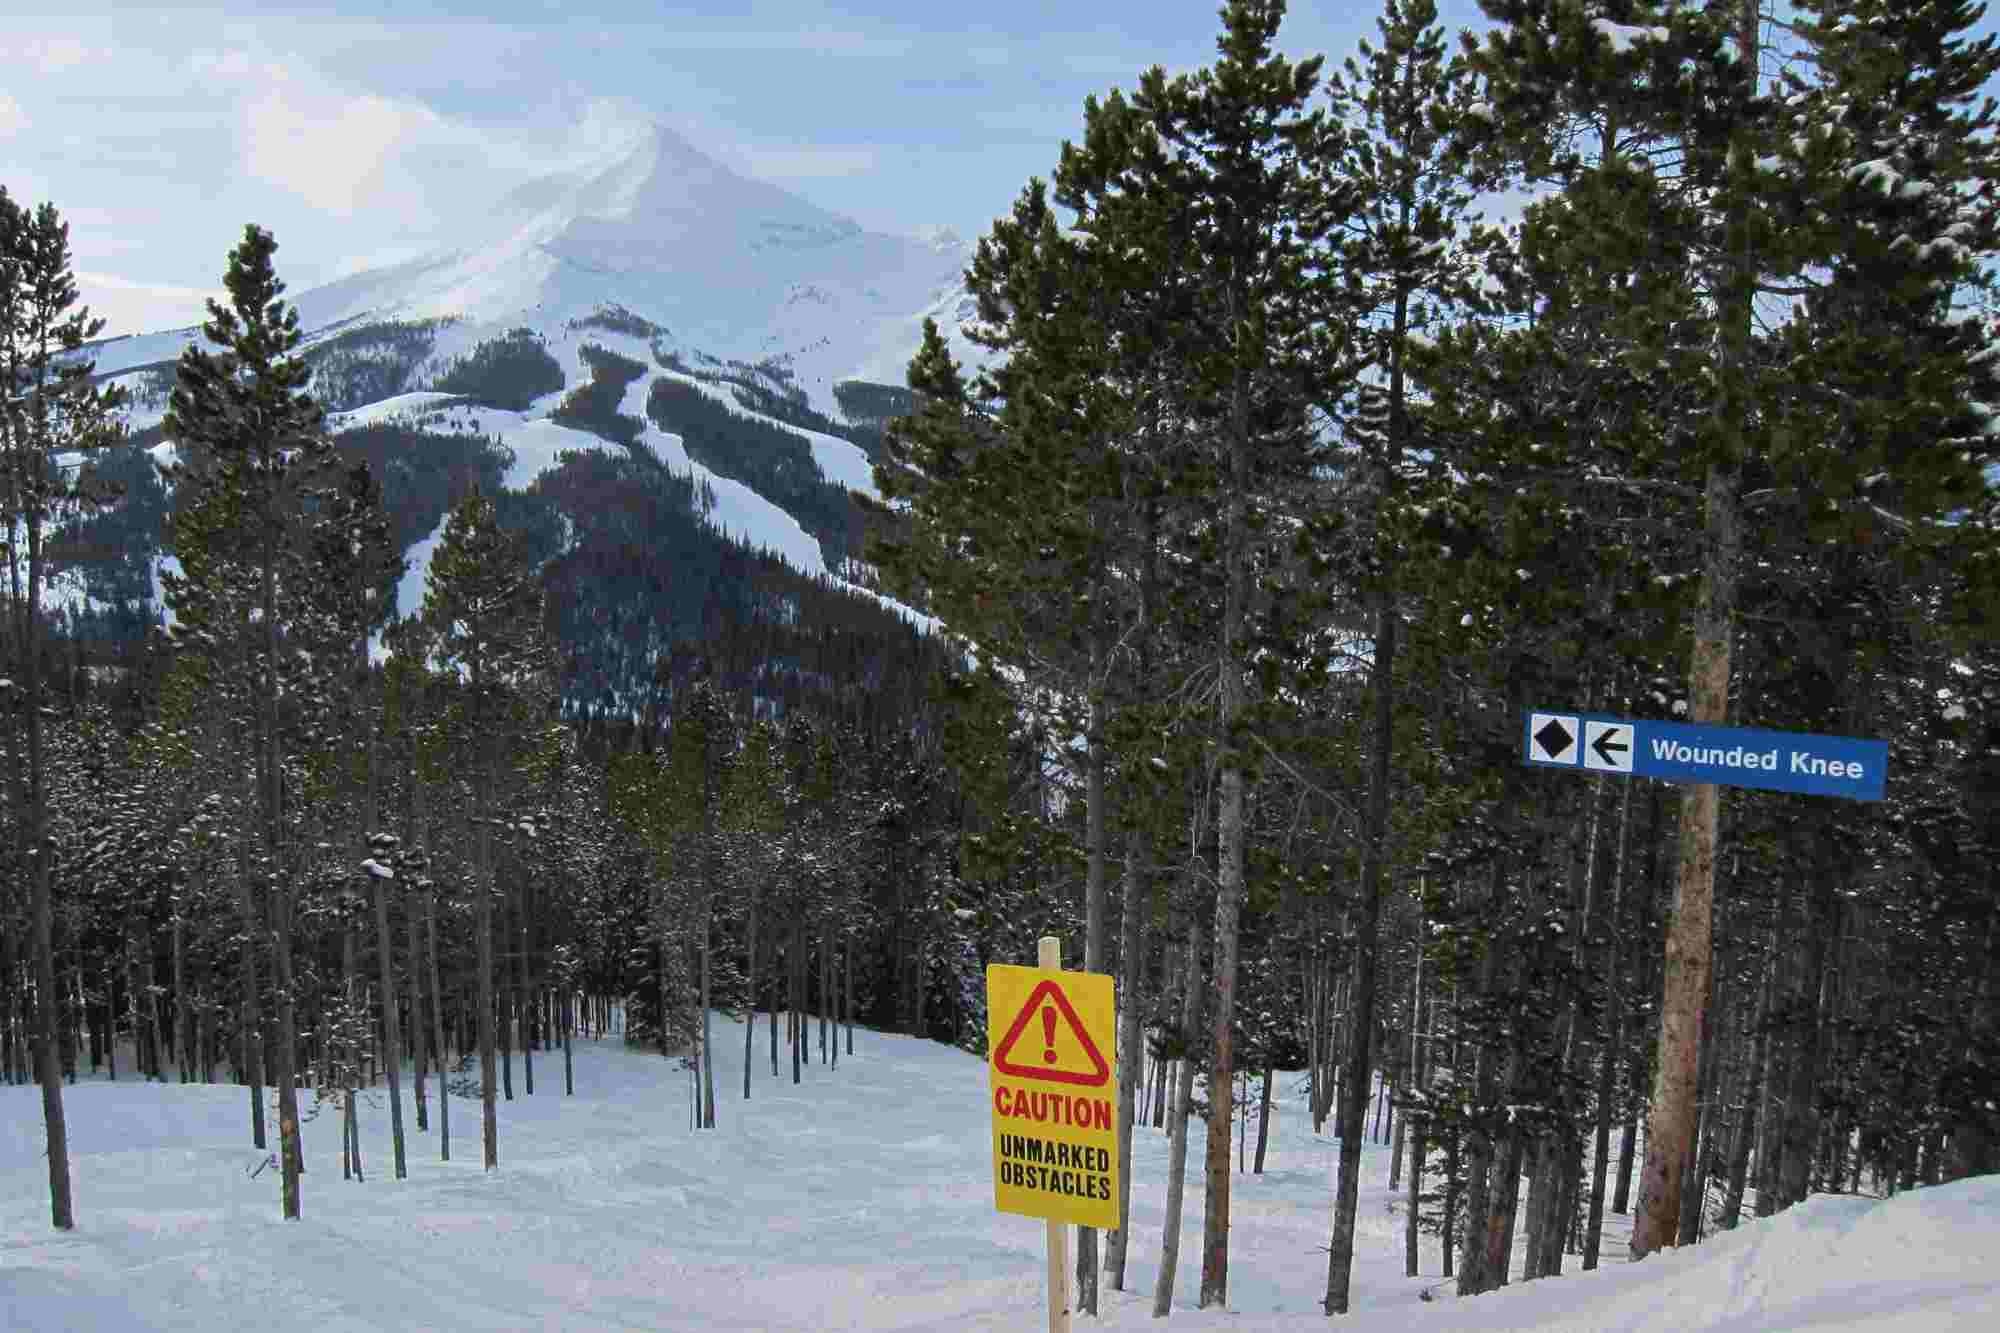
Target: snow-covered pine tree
[[1407, 265], [483, 607], [51, 416], [252, 445]]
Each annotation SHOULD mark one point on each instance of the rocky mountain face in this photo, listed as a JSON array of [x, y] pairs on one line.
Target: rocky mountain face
[[672, 375]]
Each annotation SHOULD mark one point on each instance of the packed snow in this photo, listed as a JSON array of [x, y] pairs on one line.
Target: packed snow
[[861, 1199]]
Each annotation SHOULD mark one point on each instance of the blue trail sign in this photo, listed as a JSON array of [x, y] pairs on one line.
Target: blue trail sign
[[1731, 756]]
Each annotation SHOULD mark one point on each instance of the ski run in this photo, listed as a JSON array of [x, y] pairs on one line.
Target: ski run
[[860, 1199]]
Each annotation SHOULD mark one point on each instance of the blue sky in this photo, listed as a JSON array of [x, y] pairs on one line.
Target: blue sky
[[361, 137], [368, 135]]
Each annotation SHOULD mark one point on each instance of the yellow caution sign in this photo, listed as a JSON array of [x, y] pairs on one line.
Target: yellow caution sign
[[1055, 1127]]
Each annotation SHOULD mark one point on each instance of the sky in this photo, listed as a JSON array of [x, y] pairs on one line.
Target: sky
[[378, 133]]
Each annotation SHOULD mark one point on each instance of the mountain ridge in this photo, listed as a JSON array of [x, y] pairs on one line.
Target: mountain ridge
[[647, 313]]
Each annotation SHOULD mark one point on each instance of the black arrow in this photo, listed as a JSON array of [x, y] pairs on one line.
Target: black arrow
[[1554, 738], [1604, 745]]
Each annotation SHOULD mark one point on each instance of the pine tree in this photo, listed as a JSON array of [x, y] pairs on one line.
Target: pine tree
[[483, 609], [1235, 146], [51, 414], [1406, 266], [252, 447]]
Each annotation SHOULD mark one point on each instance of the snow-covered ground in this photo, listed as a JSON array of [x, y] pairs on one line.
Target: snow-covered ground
[[859, 1200]]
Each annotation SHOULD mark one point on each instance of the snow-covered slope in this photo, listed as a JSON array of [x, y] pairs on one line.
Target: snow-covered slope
[[536, 443], [861, 1199]]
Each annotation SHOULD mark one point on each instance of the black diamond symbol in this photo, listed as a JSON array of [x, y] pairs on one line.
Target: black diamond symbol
[[1554, 738]]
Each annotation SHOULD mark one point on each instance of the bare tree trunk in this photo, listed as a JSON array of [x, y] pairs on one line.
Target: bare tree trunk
[[392, 1055], [183, 1015], [1483, 1145], [1264, 1117], [291, 1152], [524, 995], [1414, 1202], [503, 997], [252, 1022], [707, 1044], [795, 1009], [750, 1008], [1503, 1196], [1670, 1127], [48, 1073], [1170, 1239], [347, 1052], [1801, 1124], [482, 929], [413, 971], [437, 1023], [110, 1019], [1095, 910]]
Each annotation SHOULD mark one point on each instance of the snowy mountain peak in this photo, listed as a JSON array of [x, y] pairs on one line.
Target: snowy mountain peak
[[732, 267], [665, 193]]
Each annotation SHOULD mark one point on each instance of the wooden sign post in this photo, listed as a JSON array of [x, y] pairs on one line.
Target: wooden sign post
[[1048, 956]]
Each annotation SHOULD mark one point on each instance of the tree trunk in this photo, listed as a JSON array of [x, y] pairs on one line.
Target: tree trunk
[[750, 1009], [482, 930], [1801, 1124], [1670, 1126], [503, 998], [48, 1073], [437, 1023], [291, 1153], [252, 1033], [1170, 1235], [392, 1054], [795, 1008], [1095, 910], [707, 1044], [1481, 1137], [1264, 1117], [1504, 1195], [1414, 1133], [524, 996], [413, 971], [183, 1020]]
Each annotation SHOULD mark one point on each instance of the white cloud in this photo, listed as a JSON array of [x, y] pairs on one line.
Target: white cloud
[[55, 55], [327, 147], [12, 118], [126, 306]]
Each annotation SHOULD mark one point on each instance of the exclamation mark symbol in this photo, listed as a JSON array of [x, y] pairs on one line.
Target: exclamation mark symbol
[[1049, 1036]]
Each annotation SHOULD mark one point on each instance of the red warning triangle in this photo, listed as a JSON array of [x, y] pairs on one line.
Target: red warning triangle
[[1053, 991]]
